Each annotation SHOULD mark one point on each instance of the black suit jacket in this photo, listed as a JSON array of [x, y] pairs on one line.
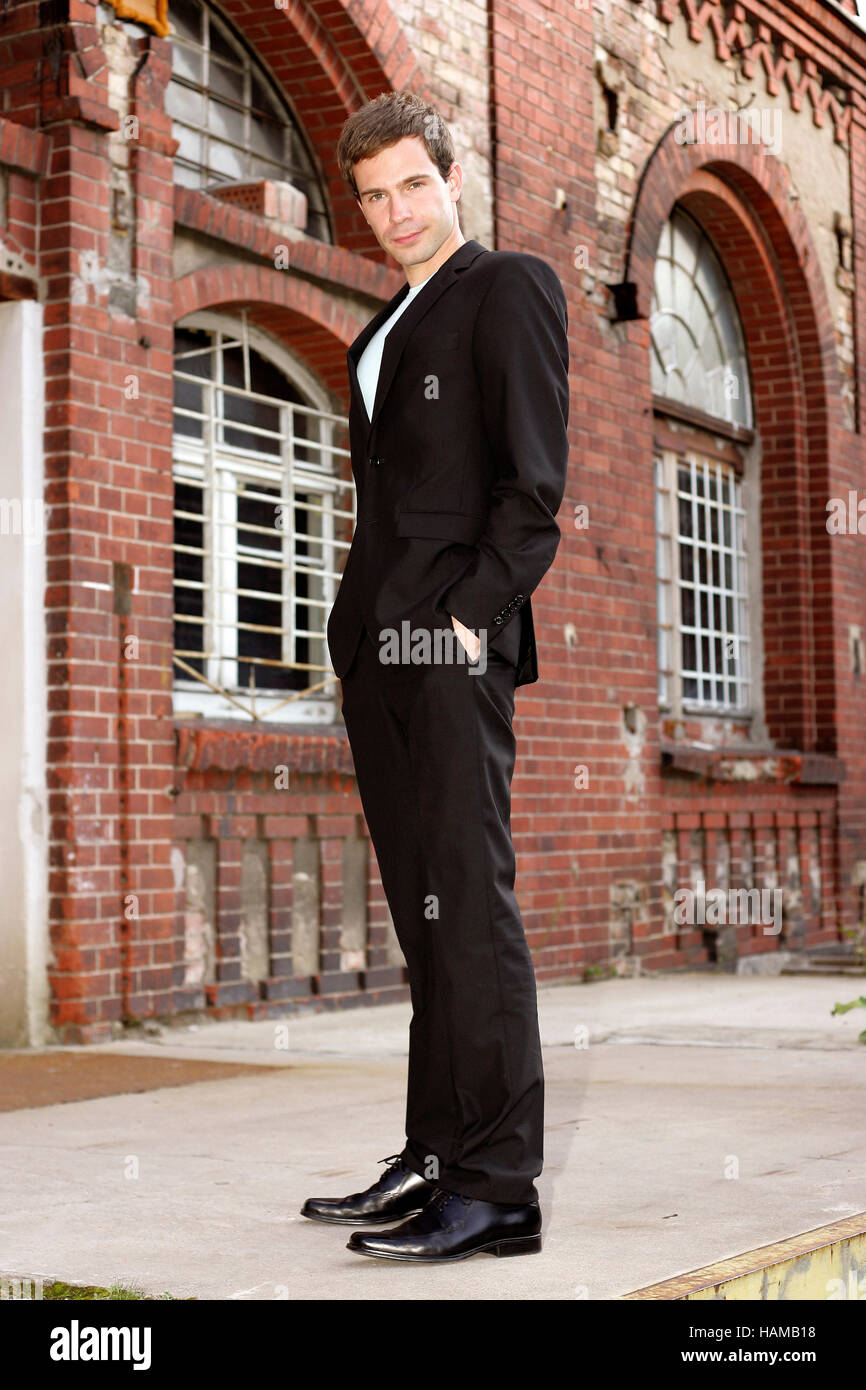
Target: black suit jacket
[[462, 468]]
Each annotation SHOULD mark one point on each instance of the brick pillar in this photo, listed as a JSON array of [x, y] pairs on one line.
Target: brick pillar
[[105, 255]]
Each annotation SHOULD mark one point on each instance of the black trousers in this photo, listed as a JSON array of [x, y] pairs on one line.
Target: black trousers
[[434, 754]]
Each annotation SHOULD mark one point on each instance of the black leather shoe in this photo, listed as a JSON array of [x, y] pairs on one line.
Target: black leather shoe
[[398, 1193], [452, 1227]]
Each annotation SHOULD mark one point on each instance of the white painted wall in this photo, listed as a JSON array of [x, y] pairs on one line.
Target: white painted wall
[[23, 809]]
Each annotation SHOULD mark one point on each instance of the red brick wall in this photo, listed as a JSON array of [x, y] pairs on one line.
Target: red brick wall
[[576, 847], [124, 787]]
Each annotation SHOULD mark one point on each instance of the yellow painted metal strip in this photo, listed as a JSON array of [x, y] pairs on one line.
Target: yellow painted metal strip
[[828, 1262]]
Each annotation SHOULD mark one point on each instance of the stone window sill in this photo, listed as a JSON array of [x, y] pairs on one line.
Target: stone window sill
[[207, 745], [780, 765]]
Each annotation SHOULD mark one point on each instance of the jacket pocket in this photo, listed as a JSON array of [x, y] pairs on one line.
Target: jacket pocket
[[447, 526]]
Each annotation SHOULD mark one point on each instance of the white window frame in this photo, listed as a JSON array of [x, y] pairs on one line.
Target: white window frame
[[217, 469], [670, 585], [703, 275]]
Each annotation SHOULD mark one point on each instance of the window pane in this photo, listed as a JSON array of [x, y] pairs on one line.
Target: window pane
[[184, 176], [695, 329], [185, 17], [194, 352], [266, 138], [705, 609], [266, 379], [260, 618], [189, 146], [220, 44], [184, 104], [224, 161], [225, 122], [226, 81], [193, 358], [188, 396], [186, 62], [189, 571], [264, 102], [257, 523], [242, 410]]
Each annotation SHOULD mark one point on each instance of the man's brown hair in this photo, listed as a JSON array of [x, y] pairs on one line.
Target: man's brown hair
[[385, 120]]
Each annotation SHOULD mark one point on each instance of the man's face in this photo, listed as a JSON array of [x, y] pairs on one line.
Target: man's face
[[409, 206]]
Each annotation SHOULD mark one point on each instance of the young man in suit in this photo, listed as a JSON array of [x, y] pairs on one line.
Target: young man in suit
[[458, 431]]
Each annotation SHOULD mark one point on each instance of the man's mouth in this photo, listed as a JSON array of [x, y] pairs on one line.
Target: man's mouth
[[410, 237]]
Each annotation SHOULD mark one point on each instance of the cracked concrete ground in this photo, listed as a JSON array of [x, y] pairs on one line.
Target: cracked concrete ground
[[690, 1117]]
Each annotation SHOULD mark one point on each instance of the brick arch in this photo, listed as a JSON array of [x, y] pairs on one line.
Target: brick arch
[[293, 311], [328, 60], [739, 197]]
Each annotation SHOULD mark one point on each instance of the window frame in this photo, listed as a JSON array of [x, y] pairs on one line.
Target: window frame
[[667, 462], [207, 462], [297, 164], [707, 269]]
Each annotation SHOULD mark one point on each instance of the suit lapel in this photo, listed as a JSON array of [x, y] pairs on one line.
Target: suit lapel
[[353, 356], [438, 283]]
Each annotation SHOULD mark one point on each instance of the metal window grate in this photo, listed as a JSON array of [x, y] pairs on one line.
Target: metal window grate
[[703, 633], [263, 512]]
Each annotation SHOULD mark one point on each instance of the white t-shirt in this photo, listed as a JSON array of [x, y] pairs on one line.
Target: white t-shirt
[[371, 358]]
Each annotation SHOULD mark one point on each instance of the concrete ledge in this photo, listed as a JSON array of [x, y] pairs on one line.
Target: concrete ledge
[[828, 1262]]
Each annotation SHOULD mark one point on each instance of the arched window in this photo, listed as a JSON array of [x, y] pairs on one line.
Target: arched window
[[230, 120], [261, 512], [703, 406], [698, 352]]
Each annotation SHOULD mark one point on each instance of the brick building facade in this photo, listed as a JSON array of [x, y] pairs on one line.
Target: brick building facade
[[181, 273]]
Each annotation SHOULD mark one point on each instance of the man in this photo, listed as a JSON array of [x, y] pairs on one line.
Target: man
[[458, 430]]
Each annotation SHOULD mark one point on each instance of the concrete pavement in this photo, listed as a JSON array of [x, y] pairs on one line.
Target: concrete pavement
[[690, 1117]]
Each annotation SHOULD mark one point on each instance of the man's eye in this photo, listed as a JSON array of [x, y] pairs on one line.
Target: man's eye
[[417, 183]]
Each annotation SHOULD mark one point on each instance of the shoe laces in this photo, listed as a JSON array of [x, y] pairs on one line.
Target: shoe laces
[[391, 1160], [442, 1197]]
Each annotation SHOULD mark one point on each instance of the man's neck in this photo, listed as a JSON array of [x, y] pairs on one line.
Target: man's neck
[[425, 269]]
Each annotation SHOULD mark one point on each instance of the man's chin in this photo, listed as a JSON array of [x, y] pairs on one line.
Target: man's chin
[[407, 253]]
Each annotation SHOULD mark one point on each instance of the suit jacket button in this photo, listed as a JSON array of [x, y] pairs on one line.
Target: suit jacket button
[[374, 461], [498, 618]]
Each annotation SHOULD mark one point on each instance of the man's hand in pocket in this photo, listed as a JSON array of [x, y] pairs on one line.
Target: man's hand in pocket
[[470, 641]]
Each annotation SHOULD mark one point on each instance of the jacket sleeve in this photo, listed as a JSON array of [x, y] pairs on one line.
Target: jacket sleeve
[[520, 351]]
